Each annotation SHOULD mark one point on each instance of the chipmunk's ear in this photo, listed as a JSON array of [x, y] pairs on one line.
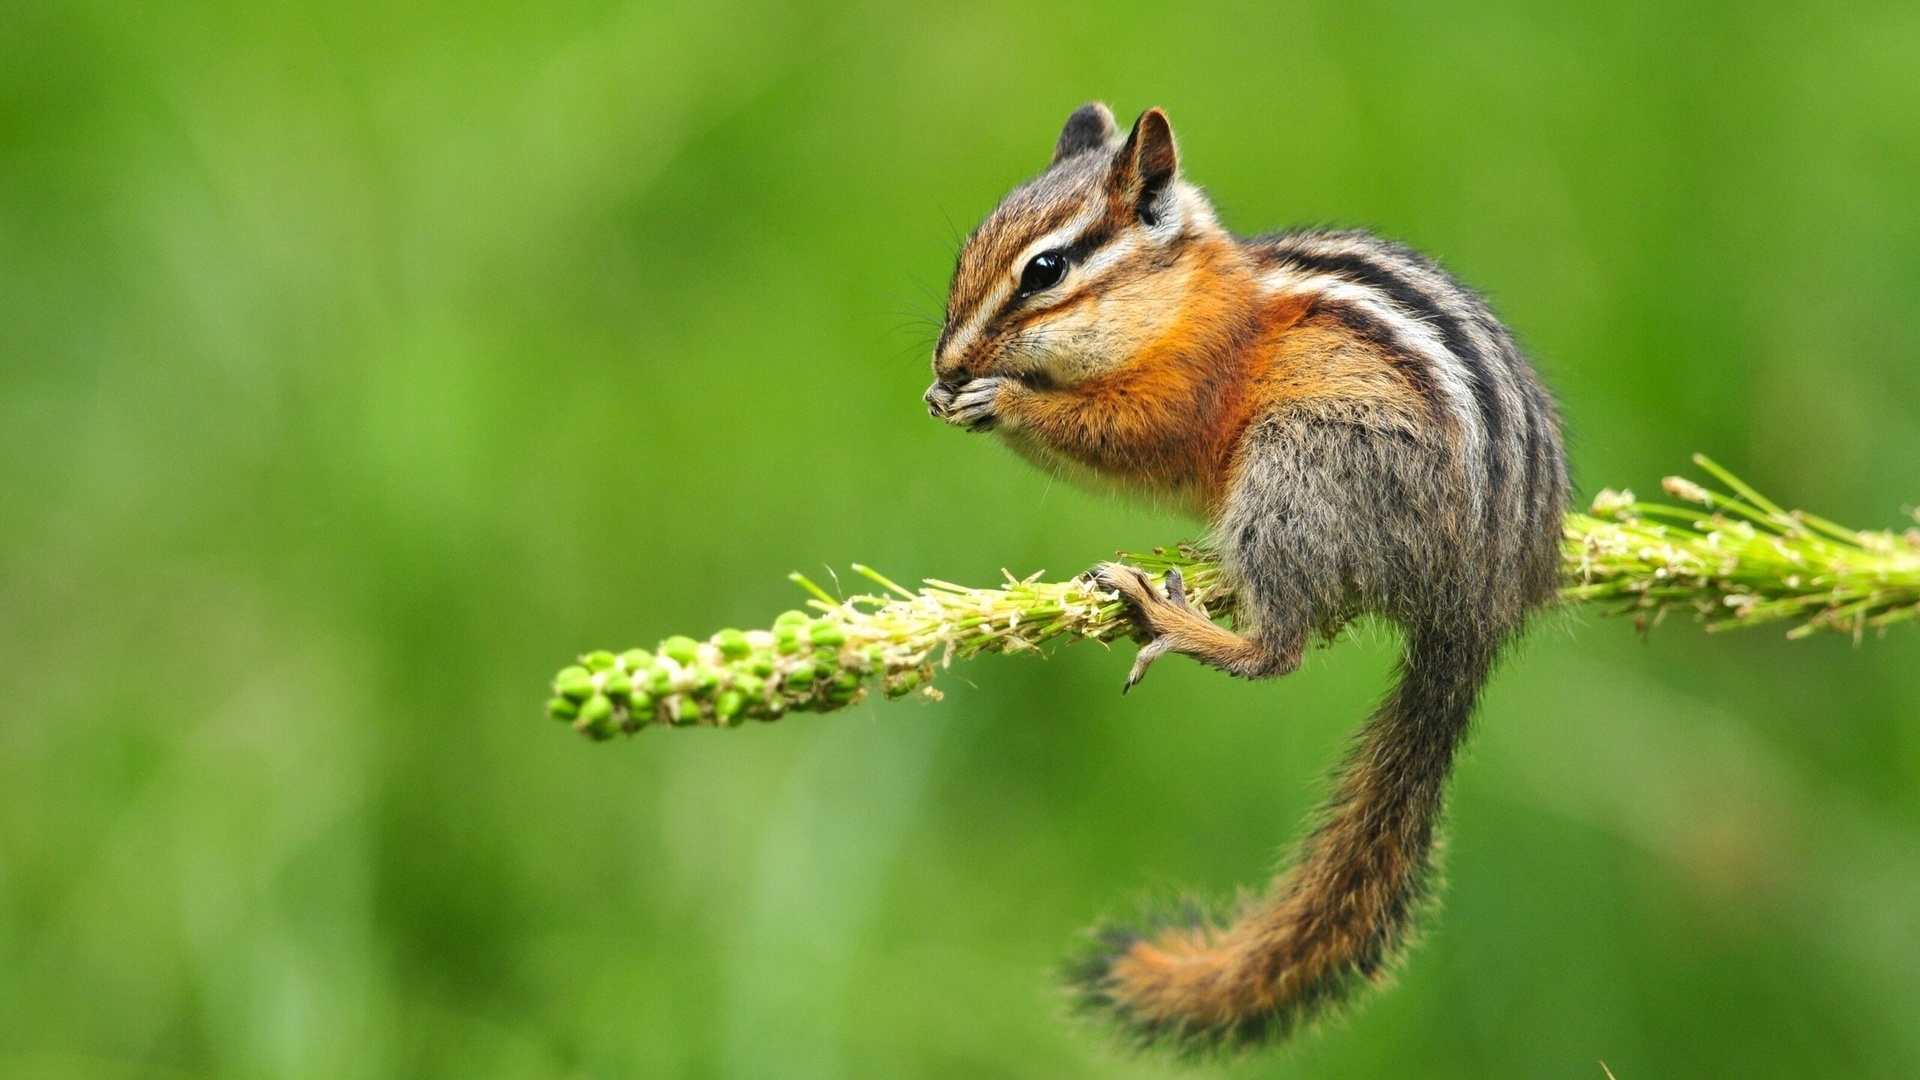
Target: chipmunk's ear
[[1089, 128], [1145, 169]]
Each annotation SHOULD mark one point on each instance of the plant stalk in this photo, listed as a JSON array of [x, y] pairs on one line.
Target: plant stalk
[[1731, 557]]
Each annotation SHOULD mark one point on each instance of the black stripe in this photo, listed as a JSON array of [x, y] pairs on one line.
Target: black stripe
[[1543, 492], [1411, 366], [1422, 305], [1092, 240], [1095, 238]]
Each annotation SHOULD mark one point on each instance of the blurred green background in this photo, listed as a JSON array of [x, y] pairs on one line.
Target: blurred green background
[[360, 363]]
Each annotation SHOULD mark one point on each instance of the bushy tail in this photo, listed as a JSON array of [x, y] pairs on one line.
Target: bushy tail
[[1334, 923]]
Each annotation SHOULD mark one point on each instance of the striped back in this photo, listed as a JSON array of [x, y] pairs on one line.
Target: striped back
[[1466, 363]]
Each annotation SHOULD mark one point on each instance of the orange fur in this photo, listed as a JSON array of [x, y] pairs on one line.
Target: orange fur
[[1171, 419]]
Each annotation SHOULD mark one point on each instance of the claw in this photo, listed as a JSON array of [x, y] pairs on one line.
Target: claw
[[1137, 589], [1176, 587], [939, 397], [1151, 651], [973, 406]]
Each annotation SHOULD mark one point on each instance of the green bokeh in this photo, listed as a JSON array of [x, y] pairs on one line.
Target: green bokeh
[[361, 362]]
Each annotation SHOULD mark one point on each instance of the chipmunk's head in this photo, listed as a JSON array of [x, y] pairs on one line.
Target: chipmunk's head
[[1079, 268]]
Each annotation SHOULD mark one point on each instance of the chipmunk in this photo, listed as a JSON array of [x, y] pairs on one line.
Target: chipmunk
[[1361, 435]]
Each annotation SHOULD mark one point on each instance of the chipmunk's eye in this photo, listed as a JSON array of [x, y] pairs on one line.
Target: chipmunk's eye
[[1043, 271]]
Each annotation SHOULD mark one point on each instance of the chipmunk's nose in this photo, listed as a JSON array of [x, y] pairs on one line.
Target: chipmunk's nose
[[940, 397]]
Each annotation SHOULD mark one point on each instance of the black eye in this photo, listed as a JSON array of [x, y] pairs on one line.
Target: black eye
[[1043, 271]]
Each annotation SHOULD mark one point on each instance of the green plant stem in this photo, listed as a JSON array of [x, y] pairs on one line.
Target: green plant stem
[[1733, 558]]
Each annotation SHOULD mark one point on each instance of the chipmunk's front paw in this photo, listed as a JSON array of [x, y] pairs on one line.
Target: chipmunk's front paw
[[979, 404], [1157, 614]]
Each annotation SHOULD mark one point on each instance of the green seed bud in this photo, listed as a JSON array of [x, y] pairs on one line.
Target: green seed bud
[[705, 680], [794, 619], [753, 686], [847, 680], [800, 677], [827, 634], [761, 664], [562, 708], [574, 682], [903, 684], [842, 697], [786, 639], [619, 685], [637, 659], [875, 656], [681, 648], [733, 644], [686, 711], [596, 709], [660, 681], [598, 661], [641, 708], [728, 705]]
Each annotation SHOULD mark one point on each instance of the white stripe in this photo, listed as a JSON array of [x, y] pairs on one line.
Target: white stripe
[[1108, 256], [1064, 236], [1449, 371], [962, 340]]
